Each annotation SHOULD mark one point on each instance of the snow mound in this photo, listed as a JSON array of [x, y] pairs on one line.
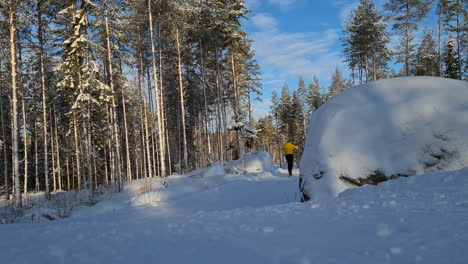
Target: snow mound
[[254, 162], [215, 170], [384, 130]]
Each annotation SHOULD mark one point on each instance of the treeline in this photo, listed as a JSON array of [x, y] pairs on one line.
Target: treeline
[[101, 92], [442, 52], [290, 113], [366, 39]]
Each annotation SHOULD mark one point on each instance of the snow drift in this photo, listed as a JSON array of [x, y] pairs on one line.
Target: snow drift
[[384, 130]]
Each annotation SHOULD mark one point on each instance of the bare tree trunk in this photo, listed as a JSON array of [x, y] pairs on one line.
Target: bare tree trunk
[[111, 84], [95, 175], [14, 106], [77, 151], [439, 33], [163, 111], [73, 175], [36, 157], [149, 141], [57, 146], [114, 106], [169, 156], [5, 152], [219, 102], [162, 147], [460, 59], [407, 44], [106, 170], [89, 155], [127, 145], [68, 175], [374, 67], [25, 143], [44, 103], [52, 146], [240, 144], [207, 129], [118, 172], [146, 162], [182, 102]]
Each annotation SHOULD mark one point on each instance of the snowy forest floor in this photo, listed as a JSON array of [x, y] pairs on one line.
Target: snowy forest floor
[[210, 217]]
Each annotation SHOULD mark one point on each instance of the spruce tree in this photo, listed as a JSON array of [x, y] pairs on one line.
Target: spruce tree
[[455, 15], [451, 60], [315, 97]]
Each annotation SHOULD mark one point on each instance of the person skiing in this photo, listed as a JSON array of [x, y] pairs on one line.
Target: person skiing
[[288, 149]]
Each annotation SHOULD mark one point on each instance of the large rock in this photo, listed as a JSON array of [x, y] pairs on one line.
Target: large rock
[[385, 130]]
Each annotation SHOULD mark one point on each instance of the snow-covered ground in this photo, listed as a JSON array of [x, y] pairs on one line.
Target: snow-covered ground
[[221, 215]]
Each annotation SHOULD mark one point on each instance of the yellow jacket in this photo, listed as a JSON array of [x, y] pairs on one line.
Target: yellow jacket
[[289, 148]]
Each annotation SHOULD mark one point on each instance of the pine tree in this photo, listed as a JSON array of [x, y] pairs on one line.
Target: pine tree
[[406, 14], [365, 41], [338, 84], [302, 97], [426, 62]]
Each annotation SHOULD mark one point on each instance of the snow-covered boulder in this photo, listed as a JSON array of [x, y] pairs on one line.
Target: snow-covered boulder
[[384, 130], [253, 162]]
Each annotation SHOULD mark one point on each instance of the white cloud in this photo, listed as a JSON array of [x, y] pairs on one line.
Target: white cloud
[[346, 11], [261, 109], [264, 22], [290, 55]]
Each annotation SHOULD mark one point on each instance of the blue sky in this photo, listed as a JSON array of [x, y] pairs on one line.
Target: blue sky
[[301, 38], [294, 38]]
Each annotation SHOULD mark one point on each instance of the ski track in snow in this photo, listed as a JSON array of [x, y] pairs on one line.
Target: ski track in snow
[[257, 219]]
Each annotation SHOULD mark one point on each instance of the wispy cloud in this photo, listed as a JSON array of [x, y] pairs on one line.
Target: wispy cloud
[[261, 109], [264, 22], [290, 55]]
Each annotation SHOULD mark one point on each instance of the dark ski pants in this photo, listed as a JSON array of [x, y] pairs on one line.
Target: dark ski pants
[[290, 160]]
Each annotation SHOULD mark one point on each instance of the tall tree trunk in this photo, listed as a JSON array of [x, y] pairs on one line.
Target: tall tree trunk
[[439, 48], [36, 157], [147, 171], [77, 151], [44, 101], [219, 102], [163, 109], [52, 146], [25, 143], [460, 59], [68, 175], [408, 34], [237, 107], [14, 106], [206, 119], [116, 138], [114, 106], [5, 152], [162, 147], [182, 101], [57, 146]]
